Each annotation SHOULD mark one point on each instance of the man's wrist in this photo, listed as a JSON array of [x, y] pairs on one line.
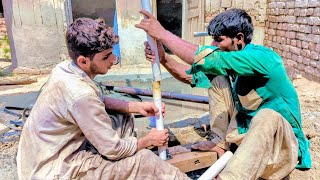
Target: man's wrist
[[143, 142]]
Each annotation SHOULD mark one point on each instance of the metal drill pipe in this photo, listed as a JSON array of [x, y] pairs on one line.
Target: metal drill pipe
[[164, 94]]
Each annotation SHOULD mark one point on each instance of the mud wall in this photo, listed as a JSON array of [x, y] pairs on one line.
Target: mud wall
[[293, 31]]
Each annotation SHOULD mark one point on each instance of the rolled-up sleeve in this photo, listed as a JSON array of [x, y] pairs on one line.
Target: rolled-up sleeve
[[90, 115]]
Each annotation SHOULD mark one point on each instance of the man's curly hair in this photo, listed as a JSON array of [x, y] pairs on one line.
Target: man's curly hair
[[87, 37]]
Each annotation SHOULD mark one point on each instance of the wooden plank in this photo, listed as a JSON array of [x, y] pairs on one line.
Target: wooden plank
[[191, 161], [193, 13]]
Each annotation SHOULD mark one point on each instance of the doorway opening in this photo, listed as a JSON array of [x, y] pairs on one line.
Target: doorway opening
[[94, 9], [169, 14]]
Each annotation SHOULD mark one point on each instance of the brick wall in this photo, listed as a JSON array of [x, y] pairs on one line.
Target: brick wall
[[293, 31], [3, 29]]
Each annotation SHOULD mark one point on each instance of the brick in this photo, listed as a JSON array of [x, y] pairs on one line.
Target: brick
[[305, 44], [296, 12], [316, 12], [295, 50], [290, 34], [283, 41], [287, 48], [272, 5], [293, 42], [300, 59], [317, 48], [285, 26], [301, 67], [284, 54], [311, 46], [302, 36], [313, 63], [310, 70], [309, 11], [294, 57], [302, 20], [291, 12], [280, 4], [269, 43], [282, 12], [290, 19], [315, 29], [289, 5], [288, 55], [318, 64], [313, 3], [314, 21], [314, 38], [295, 27], [272, 32], [291, 63], [281, 33], [298, 43], [314, 55], [279, 26], [305, 29], [306, 53], [301, 4], [288, 40], [303, 12]]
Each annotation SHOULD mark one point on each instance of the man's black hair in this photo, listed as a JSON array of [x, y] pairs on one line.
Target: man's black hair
[[230, 23], [87, 37]]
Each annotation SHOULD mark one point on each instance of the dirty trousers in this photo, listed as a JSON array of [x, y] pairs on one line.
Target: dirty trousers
[[142, 165], [268, 150]]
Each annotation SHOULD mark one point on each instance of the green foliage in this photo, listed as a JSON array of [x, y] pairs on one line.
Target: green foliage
[[1, 73], [6, 39], [5, 46]]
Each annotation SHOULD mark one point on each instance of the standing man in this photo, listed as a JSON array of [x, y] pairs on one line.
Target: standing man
[[70, 117], [259, 112]]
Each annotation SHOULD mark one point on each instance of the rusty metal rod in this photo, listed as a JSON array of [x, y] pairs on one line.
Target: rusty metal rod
[[164, 94]]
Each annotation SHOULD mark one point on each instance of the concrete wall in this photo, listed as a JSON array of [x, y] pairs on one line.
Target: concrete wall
[[293, 31], [36, 32], [256, 9]]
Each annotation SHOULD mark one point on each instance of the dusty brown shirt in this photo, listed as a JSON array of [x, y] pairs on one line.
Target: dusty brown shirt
[[69, 110]]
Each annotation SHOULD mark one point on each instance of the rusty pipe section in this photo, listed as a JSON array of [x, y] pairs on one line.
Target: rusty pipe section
[[164, 94]]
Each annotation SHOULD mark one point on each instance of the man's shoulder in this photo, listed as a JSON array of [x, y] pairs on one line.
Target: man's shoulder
[[71, 84]]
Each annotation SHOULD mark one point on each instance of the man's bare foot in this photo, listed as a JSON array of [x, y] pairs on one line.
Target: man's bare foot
[[208, 146]]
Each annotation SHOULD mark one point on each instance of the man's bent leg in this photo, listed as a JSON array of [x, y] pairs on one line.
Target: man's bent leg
[[221, 107], [268, 150], [143, 165]]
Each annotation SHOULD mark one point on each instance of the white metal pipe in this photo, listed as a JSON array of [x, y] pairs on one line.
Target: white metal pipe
[[156, 72], [198, 34], [217, 167], [156, 81]]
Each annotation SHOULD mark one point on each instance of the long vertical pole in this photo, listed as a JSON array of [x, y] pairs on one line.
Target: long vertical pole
[[156, 81]]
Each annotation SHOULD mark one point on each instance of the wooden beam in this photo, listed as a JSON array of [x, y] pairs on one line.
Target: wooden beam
[[191, 161]]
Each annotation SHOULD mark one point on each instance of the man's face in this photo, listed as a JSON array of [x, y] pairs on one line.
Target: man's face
[[225, 43], [102, 62]]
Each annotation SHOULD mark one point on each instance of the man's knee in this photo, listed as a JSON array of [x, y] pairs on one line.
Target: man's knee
[[267, 117], [220, 81]]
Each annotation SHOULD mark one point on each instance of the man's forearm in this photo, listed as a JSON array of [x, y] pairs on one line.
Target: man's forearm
[[120, 106], [177, 69], [183, 49]]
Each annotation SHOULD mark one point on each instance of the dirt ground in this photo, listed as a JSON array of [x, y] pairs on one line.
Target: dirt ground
[[309, 94]]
